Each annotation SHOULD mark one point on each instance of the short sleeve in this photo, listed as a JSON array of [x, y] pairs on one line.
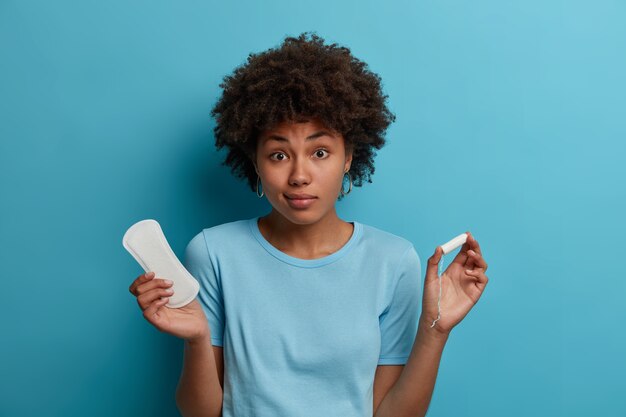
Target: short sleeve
[[398, 325], [198, 262]]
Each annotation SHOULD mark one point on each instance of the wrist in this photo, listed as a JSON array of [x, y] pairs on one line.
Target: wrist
[[434, 333], [200, 339]]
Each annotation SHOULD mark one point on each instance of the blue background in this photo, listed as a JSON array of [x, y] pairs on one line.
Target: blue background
[[510, 124]]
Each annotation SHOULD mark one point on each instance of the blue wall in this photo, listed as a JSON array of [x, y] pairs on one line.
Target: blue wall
[[510, 124]]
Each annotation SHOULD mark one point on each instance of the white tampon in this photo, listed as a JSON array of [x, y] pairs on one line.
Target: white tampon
[[454, 243], [146, 242], [447, 248]]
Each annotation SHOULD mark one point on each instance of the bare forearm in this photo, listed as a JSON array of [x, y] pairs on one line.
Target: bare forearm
[[199, 393], [411, 394]]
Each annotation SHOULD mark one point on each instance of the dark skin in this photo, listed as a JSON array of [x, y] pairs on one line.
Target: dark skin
[[287, 162], [317, 167], [462, 284]]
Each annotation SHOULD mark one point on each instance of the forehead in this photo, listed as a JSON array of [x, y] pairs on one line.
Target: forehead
[[310, 129]]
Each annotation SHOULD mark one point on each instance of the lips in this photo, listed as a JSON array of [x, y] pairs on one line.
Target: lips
[[299, 196], [297, 201]]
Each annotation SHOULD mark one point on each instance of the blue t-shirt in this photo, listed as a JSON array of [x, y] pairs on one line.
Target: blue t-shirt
[[303, 337]]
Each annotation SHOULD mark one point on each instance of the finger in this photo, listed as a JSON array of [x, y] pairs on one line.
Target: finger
[[140, 280], [477, 259], [474, 243], [433, 263], [479, 275], [149, 313], [152, 284], [144, 300], [476, 248]]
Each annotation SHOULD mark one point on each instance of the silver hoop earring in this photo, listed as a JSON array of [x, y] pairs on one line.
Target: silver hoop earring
[[257, 188], [350, 188]]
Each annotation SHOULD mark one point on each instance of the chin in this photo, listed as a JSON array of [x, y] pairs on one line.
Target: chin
[[302, 216]]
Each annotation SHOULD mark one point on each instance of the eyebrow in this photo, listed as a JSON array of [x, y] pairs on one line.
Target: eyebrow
[[314, 136]]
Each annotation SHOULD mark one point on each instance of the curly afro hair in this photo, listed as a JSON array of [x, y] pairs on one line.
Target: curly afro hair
[[302, 78]]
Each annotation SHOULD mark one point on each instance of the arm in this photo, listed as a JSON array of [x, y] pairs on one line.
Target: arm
[[411, 394], [465, 277], [199, 392]]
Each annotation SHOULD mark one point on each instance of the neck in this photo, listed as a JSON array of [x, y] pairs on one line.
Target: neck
[[311, 240]]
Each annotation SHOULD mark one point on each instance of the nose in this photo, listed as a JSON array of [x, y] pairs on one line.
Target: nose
[[299, 175]]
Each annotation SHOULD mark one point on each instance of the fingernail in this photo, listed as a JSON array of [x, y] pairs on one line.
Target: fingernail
[[150, 274], [168, 281]]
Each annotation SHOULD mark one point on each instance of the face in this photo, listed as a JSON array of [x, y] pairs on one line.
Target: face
[[302, 158]]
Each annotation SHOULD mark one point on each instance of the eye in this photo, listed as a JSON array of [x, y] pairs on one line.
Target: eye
[[276, 153], [281, 153], [320, 150]]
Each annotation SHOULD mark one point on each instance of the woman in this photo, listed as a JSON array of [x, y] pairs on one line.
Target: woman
[[301, 313]]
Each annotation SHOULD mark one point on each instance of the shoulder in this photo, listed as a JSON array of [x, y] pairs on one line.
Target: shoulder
[[223, 229], [230, 229], [386, 241], [211, 238], [396, 250]]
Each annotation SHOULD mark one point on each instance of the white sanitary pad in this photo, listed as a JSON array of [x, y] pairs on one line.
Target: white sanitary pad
[[146, 242]]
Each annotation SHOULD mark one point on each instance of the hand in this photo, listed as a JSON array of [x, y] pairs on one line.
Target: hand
[[460, 288], [188, 322]]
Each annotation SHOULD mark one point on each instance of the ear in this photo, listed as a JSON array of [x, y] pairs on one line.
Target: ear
[[346, 166], [253, 160]]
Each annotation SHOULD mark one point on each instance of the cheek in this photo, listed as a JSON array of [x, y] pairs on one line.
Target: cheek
[[271, 180], [332, 181], [331, 174], [328, 179]]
